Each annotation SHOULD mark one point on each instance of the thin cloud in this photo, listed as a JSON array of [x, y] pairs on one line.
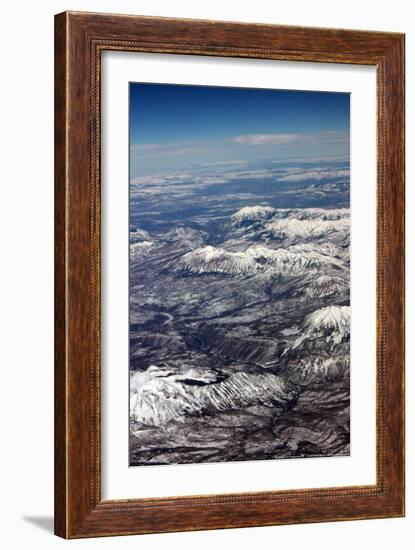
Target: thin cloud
[[266, 139], [244, 139], [233, 149], [332, 136], [316, 175]]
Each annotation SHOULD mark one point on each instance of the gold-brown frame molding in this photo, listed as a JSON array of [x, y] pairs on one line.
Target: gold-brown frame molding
[[79, 40]]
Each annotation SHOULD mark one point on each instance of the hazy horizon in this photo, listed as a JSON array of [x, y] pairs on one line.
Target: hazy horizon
[[174, 126]]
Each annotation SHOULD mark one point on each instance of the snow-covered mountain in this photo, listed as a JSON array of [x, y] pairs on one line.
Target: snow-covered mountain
[[307, 229], [252, 213], [318, 350], [141, 247], [255, 259], [331, 323], [159, 399], [239, 317], [287, 226], [317, 369], [321, 286], [259, 212]]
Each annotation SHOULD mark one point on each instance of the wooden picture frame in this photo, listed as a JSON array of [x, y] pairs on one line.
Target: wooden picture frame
[[79, 40]]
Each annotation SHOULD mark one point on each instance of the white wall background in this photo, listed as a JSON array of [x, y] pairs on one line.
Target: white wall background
[[26, 274]]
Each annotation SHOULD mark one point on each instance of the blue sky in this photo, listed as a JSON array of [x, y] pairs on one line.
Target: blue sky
[[177, 126]]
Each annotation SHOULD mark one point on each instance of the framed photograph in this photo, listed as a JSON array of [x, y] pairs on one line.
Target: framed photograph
[[229, 275]]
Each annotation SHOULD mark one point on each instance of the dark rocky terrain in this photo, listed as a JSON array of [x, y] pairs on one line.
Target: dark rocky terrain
[[239, 314]]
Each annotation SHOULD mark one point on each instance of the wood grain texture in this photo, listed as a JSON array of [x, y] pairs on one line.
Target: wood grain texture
[[60, 277], [79, 40]]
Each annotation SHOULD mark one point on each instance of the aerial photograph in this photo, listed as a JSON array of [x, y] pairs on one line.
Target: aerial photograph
[[239, 275]]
